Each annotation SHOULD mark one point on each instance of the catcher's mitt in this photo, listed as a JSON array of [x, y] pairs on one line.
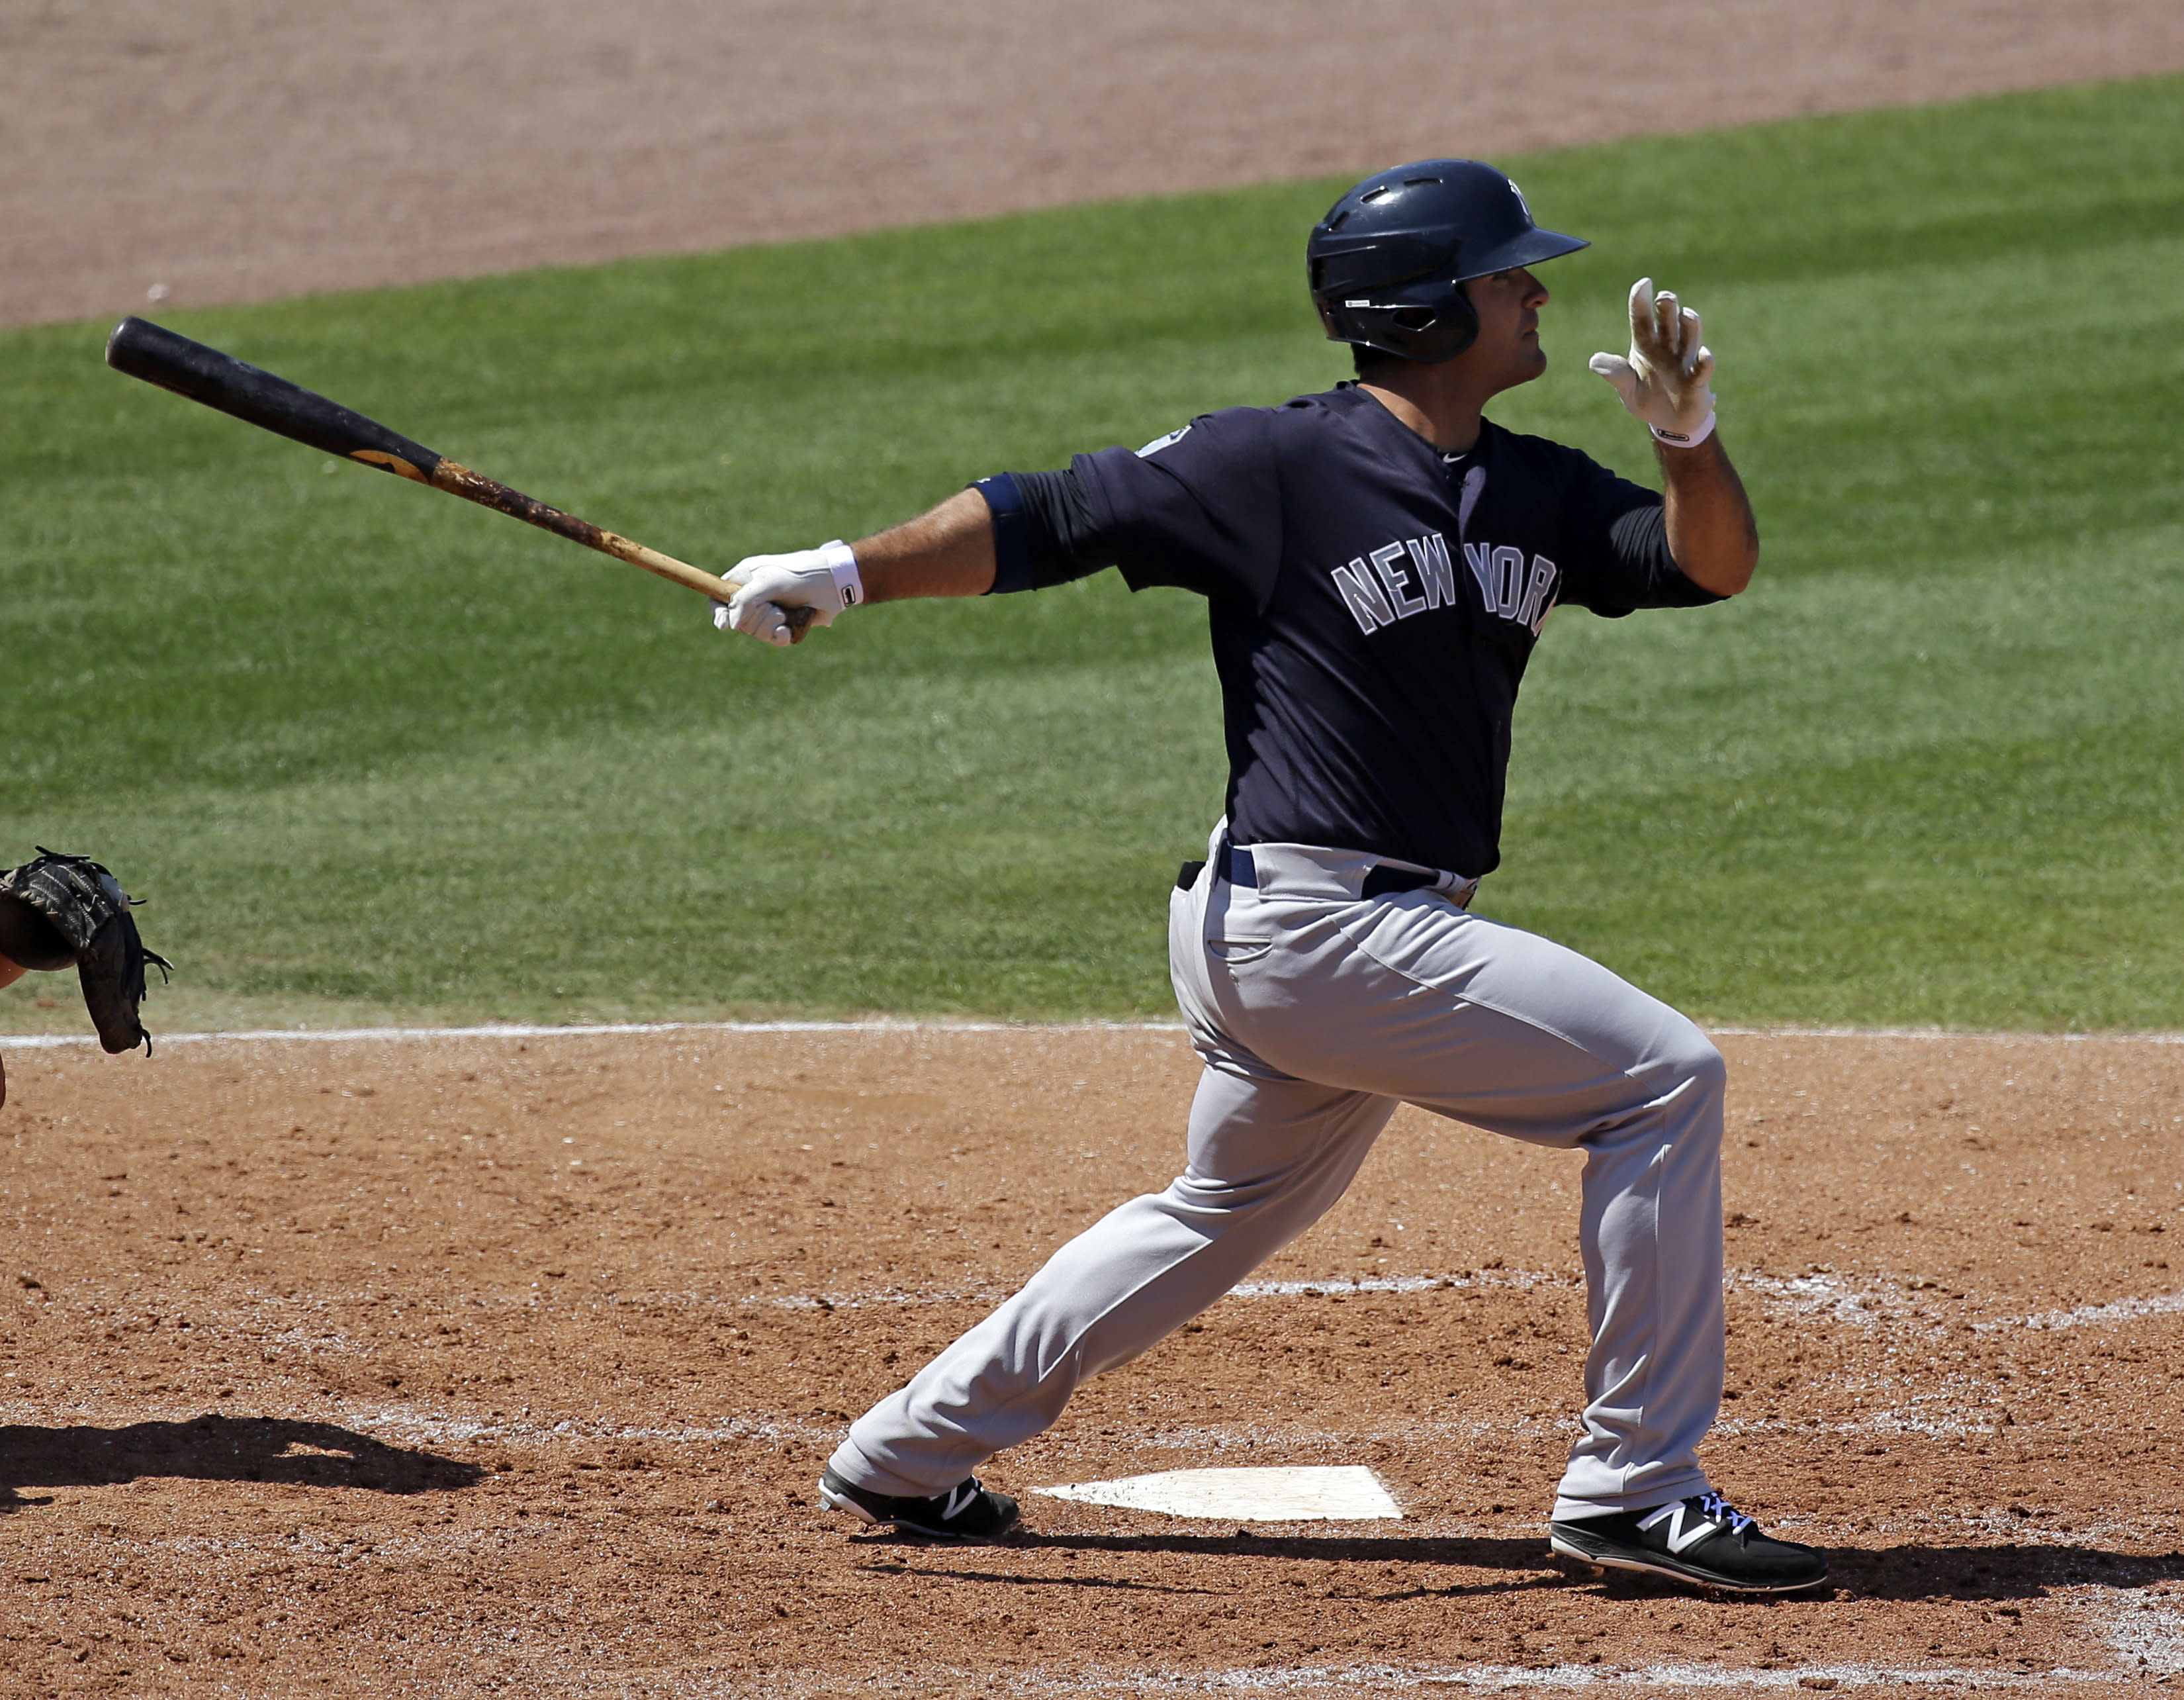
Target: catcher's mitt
[[64, 909]]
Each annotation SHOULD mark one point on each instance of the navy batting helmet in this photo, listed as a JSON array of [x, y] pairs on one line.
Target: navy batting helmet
[[1387, 262]]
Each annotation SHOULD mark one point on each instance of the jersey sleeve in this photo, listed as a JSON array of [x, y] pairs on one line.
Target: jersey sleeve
[[1617, 558], [1199, 509]]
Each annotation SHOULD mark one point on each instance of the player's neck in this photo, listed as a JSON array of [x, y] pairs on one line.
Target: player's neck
[[1446, 414]]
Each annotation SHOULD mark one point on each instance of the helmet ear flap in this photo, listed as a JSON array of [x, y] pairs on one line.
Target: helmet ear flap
[[1428, 323], [1459, 322], [1446, 326]]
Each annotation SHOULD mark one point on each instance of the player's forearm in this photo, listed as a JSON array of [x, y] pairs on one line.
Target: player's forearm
[[1711, 531], [780, 599], [947, 551]]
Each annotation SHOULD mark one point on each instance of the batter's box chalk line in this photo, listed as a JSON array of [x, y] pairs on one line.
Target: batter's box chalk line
[[626, 1029], [1310, 1493]]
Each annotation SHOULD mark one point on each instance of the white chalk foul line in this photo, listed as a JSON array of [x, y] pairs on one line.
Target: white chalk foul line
[[2001, 1035], [350, 1035]]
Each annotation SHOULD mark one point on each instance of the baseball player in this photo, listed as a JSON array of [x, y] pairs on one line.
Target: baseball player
[[1377, 563], [61, 911]]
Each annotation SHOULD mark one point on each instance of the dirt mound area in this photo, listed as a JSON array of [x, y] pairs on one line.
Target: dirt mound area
[[493, 1364], [191, 151]]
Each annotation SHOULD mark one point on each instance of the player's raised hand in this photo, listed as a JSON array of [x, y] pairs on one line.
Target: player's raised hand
[[779, 597], [1664, 379]]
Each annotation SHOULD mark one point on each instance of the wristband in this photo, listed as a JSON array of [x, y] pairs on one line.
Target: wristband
[[1005, 502], [840, 559], [1677, 439]]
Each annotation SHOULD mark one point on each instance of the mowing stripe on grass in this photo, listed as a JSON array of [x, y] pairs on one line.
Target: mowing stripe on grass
[[381, 759]]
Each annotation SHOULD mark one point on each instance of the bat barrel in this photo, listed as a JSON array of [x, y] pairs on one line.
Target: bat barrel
[[160, 356], [172, 361]]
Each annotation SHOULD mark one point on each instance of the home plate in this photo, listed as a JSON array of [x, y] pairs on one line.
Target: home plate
[[1344, 1492]]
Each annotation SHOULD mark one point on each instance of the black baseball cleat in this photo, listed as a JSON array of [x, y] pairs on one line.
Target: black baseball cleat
[[967, 1512], [1703, 1539]]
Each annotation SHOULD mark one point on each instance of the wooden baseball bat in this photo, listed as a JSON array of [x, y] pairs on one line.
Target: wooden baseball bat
[[159, 356]]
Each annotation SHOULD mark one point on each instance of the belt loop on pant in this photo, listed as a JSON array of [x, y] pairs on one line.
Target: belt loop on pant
[[1387, 882]]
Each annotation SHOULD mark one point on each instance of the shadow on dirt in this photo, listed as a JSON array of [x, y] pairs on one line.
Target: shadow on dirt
[[1992, 1575], [216, 1448], [2026, 1571], [1526, 1559]]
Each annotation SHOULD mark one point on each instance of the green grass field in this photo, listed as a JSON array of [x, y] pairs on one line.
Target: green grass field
[[374, 754]]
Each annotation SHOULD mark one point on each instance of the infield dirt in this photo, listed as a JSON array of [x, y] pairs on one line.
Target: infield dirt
[[190, 152], [477, 1365]]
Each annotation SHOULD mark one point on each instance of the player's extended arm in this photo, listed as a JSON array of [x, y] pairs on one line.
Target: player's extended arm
[[1711, 533], [947, 551], [1664, 381]]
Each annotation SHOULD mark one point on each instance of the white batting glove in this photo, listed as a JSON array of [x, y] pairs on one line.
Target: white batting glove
[[1663, 381], [772, 591]]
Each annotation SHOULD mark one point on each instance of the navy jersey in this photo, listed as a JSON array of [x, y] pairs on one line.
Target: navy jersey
[[1373, 603]]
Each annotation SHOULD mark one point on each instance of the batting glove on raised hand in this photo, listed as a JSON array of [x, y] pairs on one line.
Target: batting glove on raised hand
[[778, 596], [1664, 380]]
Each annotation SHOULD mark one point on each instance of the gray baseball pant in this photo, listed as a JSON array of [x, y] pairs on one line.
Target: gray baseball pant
[[1316, 1013]]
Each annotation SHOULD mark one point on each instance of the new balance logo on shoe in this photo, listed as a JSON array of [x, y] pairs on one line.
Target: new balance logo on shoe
[[959, 1499], [1703, 1539], [1692, 1520]]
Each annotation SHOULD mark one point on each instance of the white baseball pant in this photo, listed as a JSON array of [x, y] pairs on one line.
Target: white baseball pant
[[1316, 1013]]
